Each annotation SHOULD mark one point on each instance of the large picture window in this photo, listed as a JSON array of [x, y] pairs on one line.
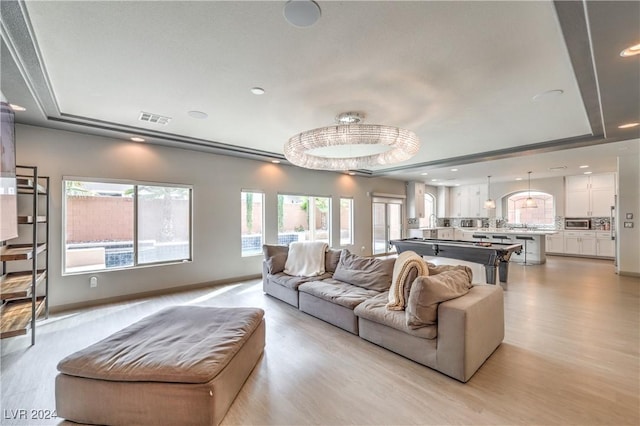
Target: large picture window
[[346, 221], [115, 225], [252, 222], [303, 218]]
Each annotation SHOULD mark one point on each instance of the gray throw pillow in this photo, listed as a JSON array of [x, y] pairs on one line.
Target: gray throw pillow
[[429, 291], [275, 257], [365, 272], [438, 269], [331, 259]]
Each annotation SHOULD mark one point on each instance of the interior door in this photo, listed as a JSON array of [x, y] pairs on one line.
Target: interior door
[[387, 224]]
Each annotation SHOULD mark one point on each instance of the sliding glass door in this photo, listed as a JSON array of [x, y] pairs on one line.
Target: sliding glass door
[[387, 224]]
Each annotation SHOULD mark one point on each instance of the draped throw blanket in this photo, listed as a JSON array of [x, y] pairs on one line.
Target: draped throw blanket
[[305, 259], [405, 262]]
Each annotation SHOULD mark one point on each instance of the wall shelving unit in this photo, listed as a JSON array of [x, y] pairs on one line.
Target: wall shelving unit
[[24, 282]]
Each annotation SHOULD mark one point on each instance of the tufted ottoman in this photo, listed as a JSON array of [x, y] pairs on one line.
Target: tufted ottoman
[[183, 365]]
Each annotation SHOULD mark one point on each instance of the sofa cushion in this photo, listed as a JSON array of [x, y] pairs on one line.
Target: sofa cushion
[[337, 292], [375, 309], [428, 292], [289, 281], [331, 259], [438, 269], [275, 257], [366, 272]]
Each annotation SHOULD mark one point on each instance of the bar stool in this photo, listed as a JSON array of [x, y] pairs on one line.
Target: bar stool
[[500, 237], [480, 236], [525, 238]]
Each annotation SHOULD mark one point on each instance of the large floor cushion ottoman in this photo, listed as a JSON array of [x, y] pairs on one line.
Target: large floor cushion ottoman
[[181, 366]]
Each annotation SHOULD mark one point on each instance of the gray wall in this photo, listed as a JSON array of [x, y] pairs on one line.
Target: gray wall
[[217, 182], [628, 239]]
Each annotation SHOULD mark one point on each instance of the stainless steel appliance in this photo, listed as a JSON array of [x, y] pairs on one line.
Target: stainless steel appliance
[[577, 223]]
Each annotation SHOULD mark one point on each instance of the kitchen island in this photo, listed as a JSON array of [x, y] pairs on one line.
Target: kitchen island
[[535, 248]]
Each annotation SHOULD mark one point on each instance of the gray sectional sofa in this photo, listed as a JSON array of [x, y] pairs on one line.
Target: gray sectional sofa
[[353, 292]]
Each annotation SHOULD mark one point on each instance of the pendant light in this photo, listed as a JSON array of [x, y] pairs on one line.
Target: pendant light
[[490, 203], [530, 203]]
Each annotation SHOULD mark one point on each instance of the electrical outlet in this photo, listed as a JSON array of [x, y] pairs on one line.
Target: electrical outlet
[[93, 282]]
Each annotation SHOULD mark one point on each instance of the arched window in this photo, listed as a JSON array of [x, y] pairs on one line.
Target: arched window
[[429, 207], [543, 214]]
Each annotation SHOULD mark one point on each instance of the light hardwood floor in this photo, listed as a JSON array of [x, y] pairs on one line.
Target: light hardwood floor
[[570, 356]]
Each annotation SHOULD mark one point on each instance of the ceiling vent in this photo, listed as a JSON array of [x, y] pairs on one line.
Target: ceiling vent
[[557, 168], [154, 118]]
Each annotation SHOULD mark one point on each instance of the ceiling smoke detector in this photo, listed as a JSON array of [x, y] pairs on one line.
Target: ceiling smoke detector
[[154, 118]]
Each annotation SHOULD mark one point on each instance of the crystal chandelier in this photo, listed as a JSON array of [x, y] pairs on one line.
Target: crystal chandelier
[[490, 203], [349, 145], [529, 203]]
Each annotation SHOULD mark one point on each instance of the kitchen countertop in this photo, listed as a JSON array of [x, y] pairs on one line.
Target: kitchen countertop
[[511, 231]]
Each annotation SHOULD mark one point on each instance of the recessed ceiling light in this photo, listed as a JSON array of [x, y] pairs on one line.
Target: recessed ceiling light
[[457, 184], [17, 107], [631, 51], [454, 170], [628, 125], [587, 173], [548, 94], [352, 173], [137, 139], [257, 90], [424, 174], [518, 178], [275, 161], [199, 115], [434, 180], [301, 13], [584, 166]]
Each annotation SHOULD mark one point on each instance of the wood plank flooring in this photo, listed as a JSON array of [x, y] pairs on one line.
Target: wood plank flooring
[[570, 357]]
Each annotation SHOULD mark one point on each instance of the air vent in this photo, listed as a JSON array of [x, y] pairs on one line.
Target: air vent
[[154, 118], [557, 168]]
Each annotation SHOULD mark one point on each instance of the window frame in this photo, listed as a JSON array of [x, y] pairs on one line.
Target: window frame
[[524, 194], [311, 213], [135, 184], [351, 221], [263, 235]]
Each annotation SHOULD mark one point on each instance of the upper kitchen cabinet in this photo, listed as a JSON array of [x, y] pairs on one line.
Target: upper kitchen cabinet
[[590, 195], [415, 200], [468, 201]]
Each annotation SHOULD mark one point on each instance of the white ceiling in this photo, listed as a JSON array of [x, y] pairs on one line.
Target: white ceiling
[[461, 75]]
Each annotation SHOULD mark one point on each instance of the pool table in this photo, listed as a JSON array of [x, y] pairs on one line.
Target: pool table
[[494, 256]]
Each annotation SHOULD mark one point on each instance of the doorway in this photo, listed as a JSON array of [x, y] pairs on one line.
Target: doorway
[[387, 224]]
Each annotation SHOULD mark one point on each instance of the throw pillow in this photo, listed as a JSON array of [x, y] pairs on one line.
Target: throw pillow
[[429, 291], [366, 272], [438, 269], [331, 259], [275, 257]]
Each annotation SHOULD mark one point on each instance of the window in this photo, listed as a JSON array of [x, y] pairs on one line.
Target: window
[[541, 215], [303, 218], [252, 222], [346, 221], [429, 207], [115, 225]]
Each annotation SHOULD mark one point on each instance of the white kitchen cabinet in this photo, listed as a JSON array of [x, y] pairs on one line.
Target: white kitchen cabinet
[[445, 234], [605, 246], [458, 234], [555, 243], [468, 201], [415, 201], [589, 195], [580, 242]]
